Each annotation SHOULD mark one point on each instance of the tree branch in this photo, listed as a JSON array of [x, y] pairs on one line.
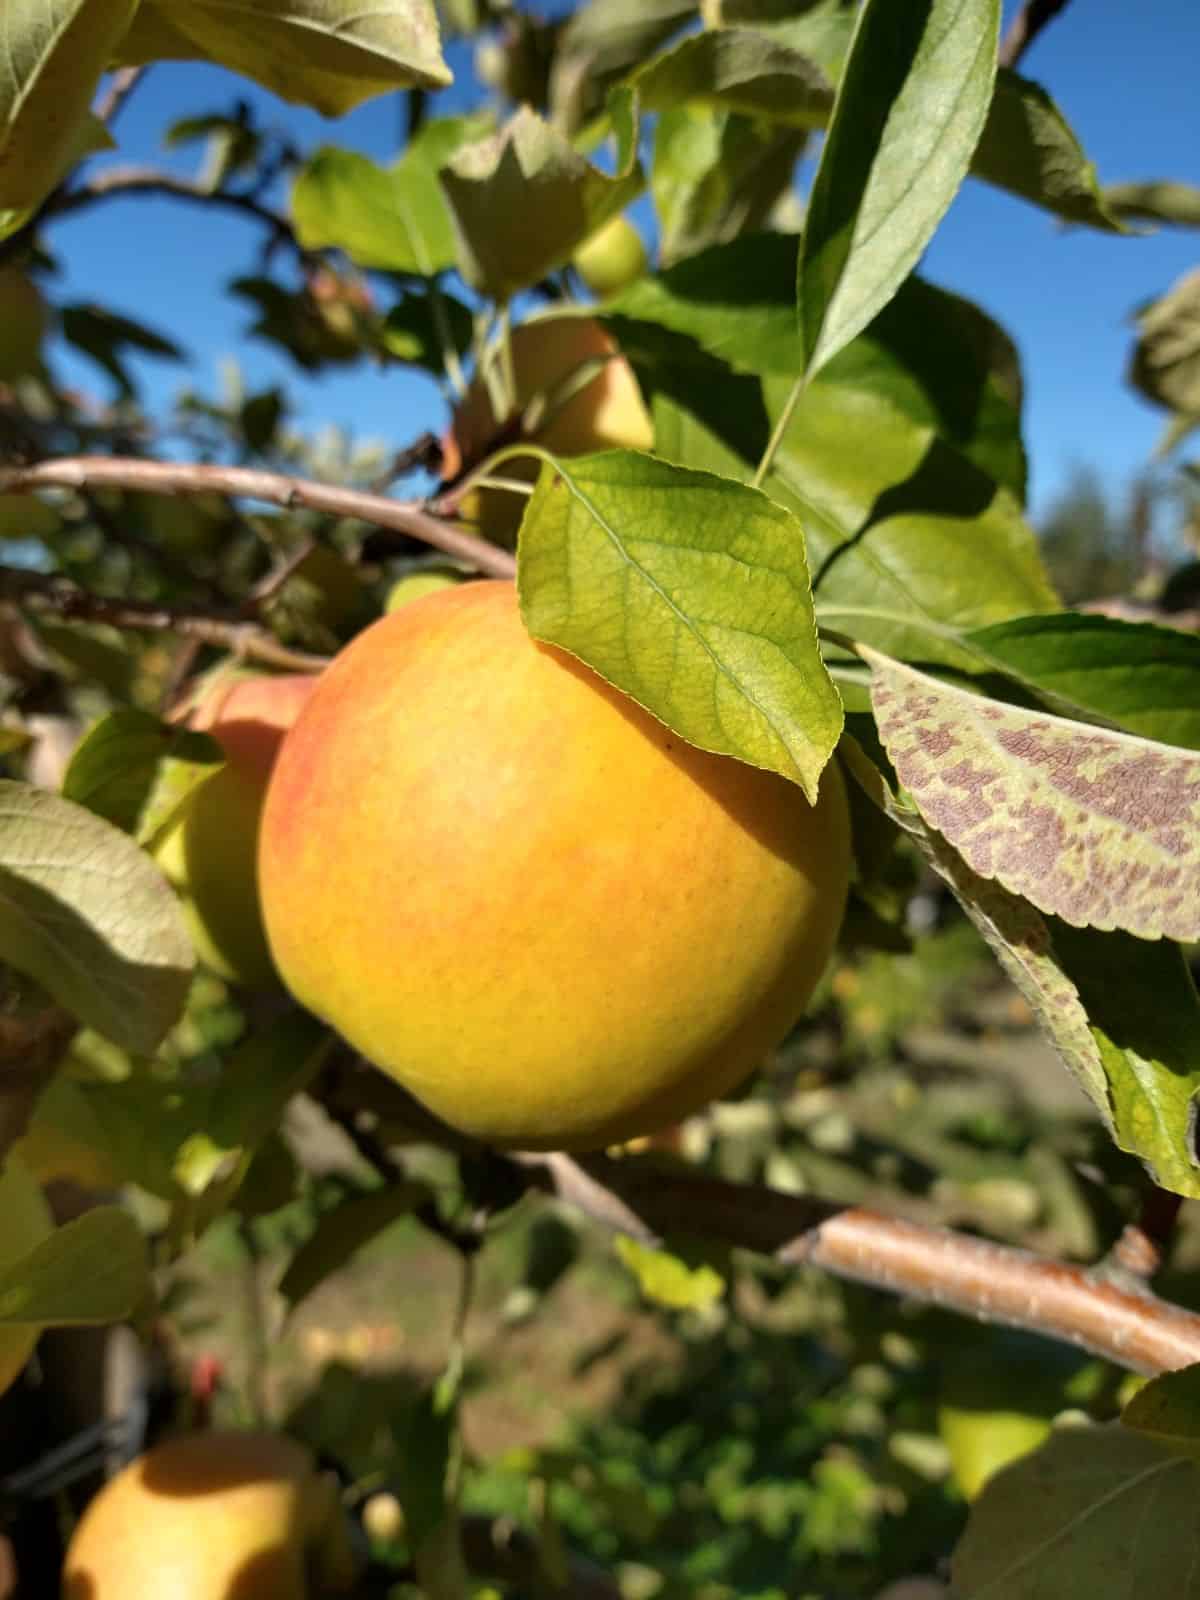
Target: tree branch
[[167, 477], [49, 593], [151, 181], [1025, 27], [991, 1282]]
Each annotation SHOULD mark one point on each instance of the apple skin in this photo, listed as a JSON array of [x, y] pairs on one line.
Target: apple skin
[[550, 918], [612, 258], [22, 324], [210, 854], [25, 1221], [605, 413], [211, 1516]]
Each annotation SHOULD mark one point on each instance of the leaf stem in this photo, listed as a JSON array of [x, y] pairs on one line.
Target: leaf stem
[[777, 433]]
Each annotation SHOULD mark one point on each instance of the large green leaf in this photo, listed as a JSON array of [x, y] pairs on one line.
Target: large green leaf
[[329, 54], [52, 54], [93, 1270], [1145, 1017], [137, 772], [394, 218], [1095, 1512], [710, 581], [1100, 828], [89, 915], [1028, 148], [524, 199], [929, 356], [1141, 677], [909, 112]]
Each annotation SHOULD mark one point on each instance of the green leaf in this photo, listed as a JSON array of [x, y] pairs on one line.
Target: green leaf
[[1144, 678], [91, 918], [105, 337], [394, 218], [710, 581], [821, 31], [93, 1270], [1095, 1511], [1097, 827], [909, 112], [137, 772], [667, 1280], [1028, 148], [737, 70], [524, 199], [717, 174], [600, 43], [1145, 1017], [413, 333], [929, 357], [1167, 1410], [1177, 204], [342, 1232], [1166, 358], [52, 54], [328, 54]]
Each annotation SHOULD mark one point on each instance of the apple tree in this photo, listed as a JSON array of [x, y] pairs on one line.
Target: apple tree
[[759, 496]]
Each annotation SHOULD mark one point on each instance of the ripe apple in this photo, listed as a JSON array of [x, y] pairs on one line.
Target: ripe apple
[[605, 412], [612, 258], [25, 1221], [209, 854], [22, 324], [549, 917], [212, 1516]]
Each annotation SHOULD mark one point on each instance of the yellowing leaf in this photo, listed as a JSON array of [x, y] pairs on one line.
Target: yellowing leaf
[[667, 1280]]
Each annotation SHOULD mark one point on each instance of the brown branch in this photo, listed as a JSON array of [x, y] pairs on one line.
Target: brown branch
[[120, 86], [51, 594], [1025, 27], [992, 1282], [118, 181], [166, 477]]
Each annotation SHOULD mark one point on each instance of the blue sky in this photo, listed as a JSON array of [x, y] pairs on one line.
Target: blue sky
[[1125, 75]]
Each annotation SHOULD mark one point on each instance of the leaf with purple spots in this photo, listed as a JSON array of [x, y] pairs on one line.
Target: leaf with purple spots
[[1097, 827]]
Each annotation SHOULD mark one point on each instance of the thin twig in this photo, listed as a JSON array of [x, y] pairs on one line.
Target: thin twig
[[1025, 27], [48, 593], [117, 91], [167, 477], [117, 181], [992, 1282]]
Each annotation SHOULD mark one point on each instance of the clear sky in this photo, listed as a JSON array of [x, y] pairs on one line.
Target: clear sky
[[1125, 72]]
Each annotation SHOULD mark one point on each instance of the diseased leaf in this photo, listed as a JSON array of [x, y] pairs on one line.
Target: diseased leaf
[[667, 1280], [709, 583], [1143, 678], [1096, 1511], [1166, 359], [909, 112], [393, 218], [137, 772], [737, 70], [1015, 931], [1097, 827], [342, 1232], [89, 915], [328, 54], [1167, 1410], [92, 1270], [1028, 148], [523, 199], [52, 55], [1145, 1019]]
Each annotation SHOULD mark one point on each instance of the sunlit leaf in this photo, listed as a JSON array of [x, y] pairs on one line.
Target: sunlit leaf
[[709, 584], [1177, 204], [89, 915], [669, 1281]]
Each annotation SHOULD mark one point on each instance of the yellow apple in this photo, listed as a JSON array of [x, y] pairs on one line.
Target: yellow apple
[[25, 1221], [210, 852], [605, 412], [22, 324], [212, 1516], [550, 918], [612, 258]]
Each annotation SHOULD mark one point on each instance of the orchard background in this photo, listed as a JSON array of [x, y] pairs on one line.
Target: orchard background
[[879, 1321]]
